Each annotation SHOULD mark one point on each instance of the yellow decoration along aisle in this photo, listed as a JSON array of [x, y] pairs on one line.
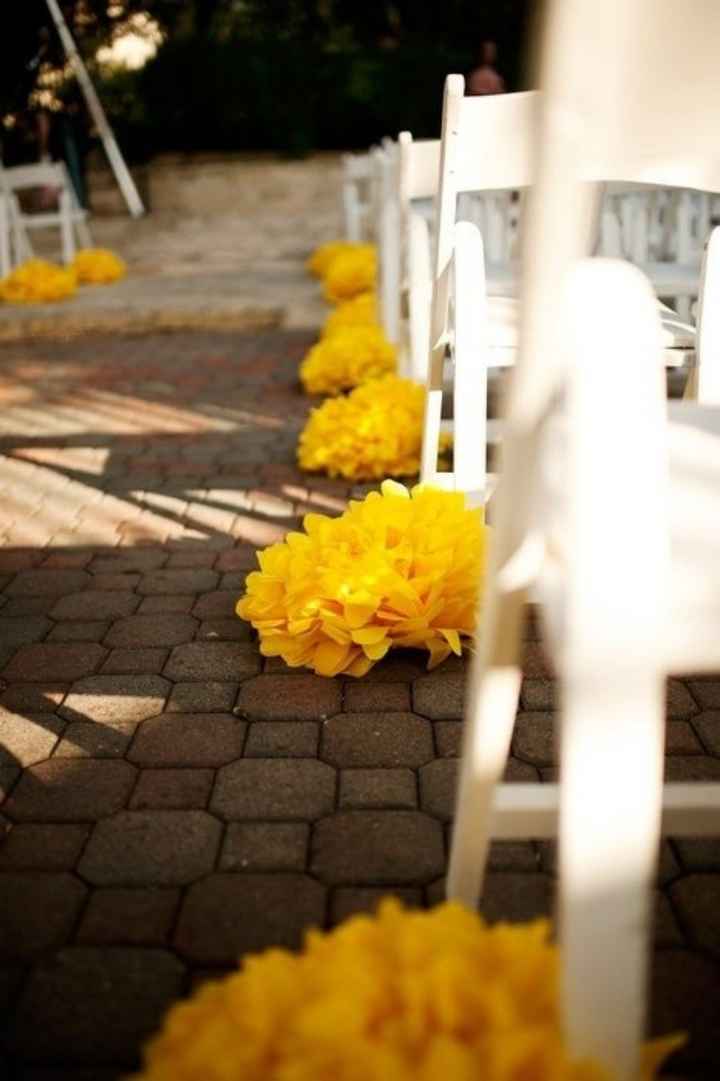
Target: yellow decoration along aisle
[[398, 569], [37, 282], [98, 266], [372, 433], [349, 356], [401, 996], [350, 273], [361, 311]]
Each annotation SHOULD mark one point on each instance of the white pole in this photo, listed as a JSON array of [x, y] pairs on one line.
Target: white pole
[[117, 162]]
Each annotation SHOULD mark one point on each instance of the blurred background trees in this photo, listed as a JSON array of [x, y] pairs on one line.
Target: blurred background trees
[[280, 75]]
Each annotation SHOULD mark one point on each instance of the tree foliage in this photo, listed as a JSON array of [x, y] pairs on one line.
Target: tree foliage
[[276, 74]]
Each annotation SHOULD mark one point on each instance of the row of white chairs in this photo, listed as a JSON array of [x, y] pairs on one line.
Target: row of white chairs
[[607, 508], [17, 224]]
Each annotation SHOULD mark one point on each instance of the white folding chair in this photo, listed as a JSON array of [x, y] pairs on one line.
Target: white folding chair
[[357, 196], [608, 507], [69, 216], [471, 127]]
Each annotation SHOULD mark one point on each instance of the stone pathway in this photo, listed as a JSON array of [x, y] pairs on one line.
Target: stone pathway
[[171, 801]]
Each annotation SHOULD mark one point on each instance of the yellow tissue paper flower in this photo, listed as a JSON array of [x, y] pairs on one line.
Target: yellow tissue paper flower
[[348, 357], [398, 569], [351, 273], [98, 266], [374, 432], [361, 311], [400, 996], [323, 256], [36, 282]]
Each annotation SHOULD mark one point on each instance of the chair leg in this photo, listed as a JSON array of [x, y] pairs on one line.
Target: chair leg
[[707, 357], [471, 364], [489, 720]]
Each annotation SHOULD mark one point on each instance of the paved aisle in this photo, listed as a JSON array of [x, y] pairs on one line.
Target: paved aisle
[[170, 800]]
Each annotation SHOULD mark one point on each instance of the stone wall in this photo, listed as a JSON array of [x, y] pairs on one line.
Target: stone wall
[[216, 184]]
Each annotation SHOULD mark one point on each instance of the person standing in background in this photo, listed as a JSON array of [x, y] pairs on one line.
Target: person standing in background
[[484, 79]]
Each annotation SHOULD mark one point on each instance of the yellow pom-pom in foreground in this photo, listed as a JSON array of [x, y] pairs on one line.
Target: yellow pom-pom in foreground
[[37, 282], [323, 256], [348, 357], [351, 273], [361, 311], [374, 432], [98, 266], [402, 996], [398, 569]]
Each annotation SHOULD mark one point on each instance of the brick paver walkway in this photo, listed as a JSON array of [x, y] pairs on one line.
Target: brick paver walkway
[[171, 801]]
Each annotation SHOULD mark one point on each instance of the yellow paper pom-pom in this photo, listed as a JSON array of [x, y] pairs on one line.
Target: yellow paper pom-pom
[[350, 273], [398, 568], [348, 357], [98, 266], [323, 256], [36, 282], [374, 432], [401, 996], [361, 311]]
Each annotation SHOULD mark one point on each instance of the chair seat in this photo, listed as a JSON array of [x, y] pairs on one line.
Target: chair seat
[[690, 637], [504, 313]]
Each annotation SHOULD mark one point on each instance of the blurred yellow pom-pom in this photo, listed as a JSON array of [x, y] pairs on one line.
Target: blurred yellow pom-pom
[[36, 282], [323, 256], [346, 358], [98, 266], [374, 432], [400, 568], [351, 273], [361, 311], [401, 996]]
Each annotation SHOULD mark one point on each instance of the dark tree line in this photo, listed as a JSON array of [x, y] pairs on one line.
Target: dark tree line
[[282, 75]]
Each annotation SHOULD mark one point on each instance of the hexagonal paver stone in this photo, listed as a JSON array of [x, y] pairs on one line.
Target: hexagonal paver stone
[[95, 1005], [29, 738], [131, 917], [516, 896], [188, 739], [265, 846], [172, 789], [282, 739], [47, 583], [42, 847], [178, 581], [351, 901], [377, 697], [151, 848], [274, 788], [680, 704], [448, 738], [438, 781], [96, 604], [213, 660], [289, 698], [38, 911], [534, 738], [121, 699], [376, 739], [692, 767], [697, 898], [686, 998], [71, 790], [163, 629], [87, 739], [440, 697], [377, 847], [538, 694], [19, 632], [226, 916], [708, 726], [362, 788], [44, 661]]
